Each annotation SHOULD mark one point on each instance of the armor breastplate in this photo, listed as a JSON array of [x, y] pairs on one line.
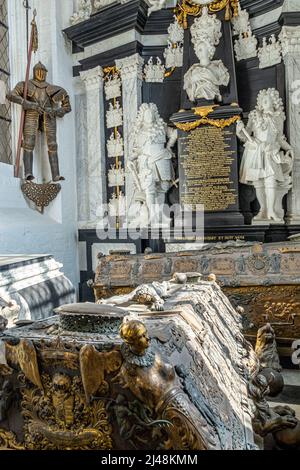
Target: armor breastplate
[[40, 96]]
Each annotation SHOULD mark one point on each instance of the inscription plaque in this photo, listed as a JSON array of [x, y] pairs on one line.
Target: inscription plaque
[[206, 169]]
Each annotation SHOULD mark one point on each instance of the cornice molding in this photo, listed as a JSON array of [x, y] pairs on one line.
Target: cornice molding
[[259, 7]]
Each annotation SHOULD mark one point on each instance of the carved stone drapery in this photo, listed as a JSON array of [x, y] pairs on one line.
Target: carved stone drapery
[[93, 80], [131, 69]]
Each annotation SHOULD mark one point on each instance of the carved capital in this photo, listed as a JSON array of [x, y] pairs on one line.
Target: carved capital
[[290, 40], [92, 78], [131, 67]]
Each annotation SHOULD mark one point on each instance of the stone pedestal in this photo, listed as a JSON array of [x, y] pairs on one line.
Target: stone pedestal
[[31, 287]]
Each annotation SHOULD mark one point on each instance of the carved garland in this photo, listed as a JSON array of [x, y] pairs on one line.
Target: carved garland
[[187, 8], [220, 123]]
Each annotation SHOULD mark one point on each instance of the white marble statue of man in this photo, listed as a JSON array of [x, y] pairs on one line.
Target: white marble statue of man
[[268, 157], [151, 162], [203, 79]]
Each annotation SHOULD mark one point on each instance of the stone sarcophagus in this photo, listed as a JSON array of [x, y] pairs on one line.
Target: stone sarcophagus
[[261, 278], [172, 376]]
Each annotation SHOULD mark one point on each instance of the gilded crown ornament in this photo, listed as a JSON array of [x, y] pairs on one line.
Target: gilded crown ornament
[[186, 8]]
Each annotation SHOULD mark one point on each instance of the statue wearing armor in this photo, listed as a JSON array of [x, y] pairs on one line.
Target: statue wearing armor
[[151, 162], [42, 105]]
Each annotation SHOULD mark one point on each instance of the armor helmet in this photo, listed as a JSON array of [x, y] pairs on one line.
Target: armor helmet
[[40, 72]]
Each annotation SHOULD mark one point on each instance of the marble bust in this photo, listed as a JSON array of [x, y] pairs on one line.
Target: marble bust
[[268, 157], [203, 79]]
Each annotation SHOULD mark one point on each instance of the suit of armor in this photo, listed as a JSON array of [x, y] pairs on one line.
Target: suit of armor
[[42, 105]]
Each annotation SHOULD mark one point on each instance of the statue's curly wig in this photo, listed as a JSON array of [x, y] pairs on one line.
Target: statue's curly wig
[[276, 100], [158, 127]]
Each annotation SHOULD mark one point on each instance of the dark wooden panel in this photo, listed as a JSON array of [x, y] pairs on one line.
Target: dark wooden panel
[[251, 79], [258, 7]]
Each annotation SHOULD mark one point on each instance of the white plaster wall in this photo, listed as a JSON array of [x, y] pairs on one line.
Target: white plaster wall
[[23, 230]]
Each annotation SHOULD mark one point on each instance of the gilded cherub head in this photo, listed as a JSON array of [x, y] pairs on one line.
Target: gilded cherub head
[[135, 334]]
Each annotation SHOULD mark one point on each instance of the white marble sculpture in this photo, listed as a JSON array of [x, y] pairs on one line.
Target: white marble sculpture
[[114, 116], [241, 22], [116, 176], [115, 146], [290, 40], [270, 52], [151, 164], [112, 88], [203, 79], [83, 13], [268, 157], [117, 205], [154, 73], [176, 32], [156, 5], [173, 54], [246, 45]]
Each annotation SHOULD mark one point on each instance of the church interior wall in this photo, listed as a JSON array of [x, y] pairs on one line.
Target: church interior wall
[[23, 229]]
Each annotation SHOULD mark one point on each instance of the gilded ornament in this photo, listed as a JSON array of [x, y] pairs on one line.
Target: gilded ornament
[[8, 441], [24, 356], [279, 304], [292, 249], [185, 8], [110, 71], [204, 111], [94, 365], [156, 385], [220, 123], [170, 72], [59, 417]]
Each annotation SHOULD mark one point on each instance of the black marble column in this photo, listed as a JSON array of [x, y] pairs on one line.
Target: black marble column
[[227, 111]]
